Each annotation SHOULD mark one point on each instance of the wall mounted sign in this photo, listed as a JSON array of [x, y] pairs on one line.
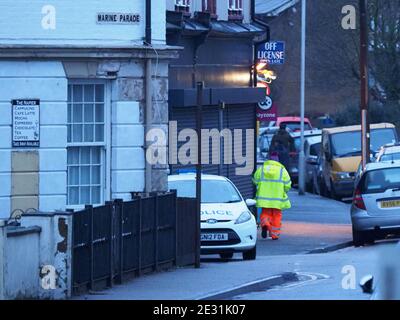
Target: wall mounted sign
[[271, 52], [267, 110], [117, 18], [25, 123]]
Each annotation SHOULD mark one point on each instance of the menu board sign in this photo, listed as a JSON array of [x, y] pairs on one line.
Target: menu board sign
[[25, 123]]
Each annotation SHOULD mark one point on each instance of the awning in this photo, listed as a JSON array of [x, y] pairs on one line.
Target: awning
[[202, 25], [235, 28], [179, 98]]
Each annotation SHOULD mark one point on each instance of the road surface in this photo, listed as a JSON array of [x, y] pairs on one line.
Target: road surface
[[312, 223]]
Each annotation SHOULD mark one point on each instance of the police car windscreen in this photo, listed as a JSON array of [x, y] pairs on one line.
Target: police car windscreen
[[212, 191]]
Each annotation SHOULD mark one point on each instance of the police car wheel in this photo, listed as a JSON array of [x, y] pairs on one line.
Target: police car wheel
[[227, 255], [250, 254]]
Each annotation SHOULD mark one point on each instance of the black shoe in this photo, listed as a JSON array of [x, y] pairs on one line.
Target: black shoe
[[264, 233], [275, 238]]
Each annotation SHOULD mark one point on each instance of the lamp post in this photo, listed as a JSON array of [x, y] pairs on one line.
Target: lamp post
[[302, 97], [365, 128], [199, 125]]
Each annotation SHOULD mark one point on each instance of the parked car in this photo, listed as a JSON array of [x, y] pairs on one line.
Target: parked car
[[318, 186], [375, 210], [312, 148], [264, 143], [341, 155], [294, 123], [227, 225], [294, 156], [389, 152]]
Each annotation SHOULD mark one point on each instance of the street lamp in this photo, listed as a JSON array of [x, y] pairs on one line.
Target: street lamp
[[302, 97]]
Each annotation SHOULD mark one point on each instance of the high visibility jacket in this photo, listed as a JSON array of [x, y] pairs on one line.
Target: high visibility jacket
[[273, 182]]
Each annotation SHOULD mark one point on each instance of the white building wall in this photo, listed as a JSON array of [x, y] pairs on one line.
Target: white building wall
[[127, 155], [22, 21], [21, 276], [45, 81], [247, 11], [222, 8], [170, 5]]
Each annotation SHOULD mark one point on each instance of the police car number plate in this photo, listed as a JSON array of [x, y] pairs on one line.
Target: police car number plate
[[214, 236]]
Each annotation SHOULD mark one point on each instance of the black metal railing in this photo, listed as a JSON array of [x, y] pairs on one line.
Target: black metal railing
[[121, 239]]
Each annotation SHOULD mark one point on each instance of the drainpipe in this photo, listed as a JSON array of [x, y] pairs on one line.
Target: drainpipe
[[149, 102], [267, 31]]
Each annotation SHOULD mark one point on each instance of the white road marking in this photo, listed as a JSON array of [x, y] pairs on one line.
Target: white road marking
[[312, 277]]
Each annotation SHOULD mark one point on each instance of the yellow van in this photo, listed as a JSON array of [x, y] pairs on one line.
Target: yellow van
[[341, 155]]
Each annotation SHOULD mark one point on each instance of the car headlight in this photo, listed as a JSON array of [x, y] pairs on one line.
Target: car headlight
[[244, 217], [341, 175]]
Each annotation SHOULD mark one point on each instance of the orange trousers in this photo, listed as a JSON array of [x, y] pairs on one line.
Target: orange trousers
[[272, 220]]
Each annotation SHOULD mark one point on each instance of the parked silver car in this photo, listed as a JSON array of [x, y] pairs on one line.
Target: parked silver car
[[375, 211], [264, 142], [294, 156], [388, 153]]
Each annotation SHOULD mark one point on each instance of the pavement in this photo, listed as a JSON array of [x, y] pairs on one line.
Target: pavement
[[312, 223], [321, 277]]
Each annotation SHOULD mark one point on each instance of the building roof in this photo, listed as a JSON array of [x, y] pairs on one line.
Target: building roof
[[273, 8], [357, 128], [203, 24]]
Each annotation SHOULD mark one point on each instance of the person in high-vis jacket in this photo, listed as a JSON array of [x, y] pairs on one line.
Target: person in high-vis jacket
[[273, 183]]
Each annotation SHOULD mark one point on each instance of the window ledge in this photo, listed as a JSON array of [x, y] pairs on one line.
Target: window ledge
[[235, 17], [213, 16]]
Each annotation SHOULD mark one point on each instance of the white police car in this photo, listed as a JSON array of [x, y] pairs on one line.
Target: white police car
[[227, 225]]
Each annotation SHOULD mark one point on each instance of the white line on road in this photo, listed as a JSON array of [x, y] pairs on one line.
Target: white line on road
[[312, 277], [239, 287]]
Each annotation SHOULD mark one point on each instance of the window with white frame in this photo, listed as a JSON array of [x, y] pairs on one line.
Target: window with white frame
[[235, 8], [86, 143], [182, 6]]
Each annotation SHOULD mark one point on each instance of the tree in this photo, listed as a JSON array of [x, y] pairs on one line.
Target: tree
[[385, 46]]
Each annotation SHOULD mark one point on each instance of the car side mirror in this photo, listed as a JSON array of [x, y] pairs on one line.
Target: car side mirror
[[251, 202], [367, 284]]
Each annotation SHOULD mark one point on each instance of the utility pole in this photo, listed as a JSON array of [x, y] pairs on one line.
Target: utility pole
[[365, 127], [302, 166], [199, 124]]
